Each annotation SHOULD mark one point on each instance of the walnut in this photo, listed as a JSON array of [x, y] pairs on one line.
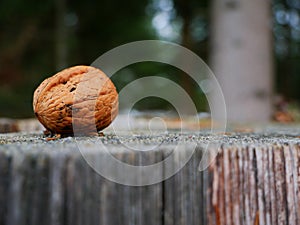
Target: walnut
[[81, 95]]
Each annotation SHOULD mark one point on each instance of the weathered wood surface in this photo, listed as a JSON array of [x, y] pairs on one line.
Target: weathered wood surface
[[254, 180], [255, 185]]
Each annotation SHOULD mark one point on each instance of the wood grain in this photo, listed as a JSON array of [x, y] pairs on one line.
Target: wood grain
[[245, 184]]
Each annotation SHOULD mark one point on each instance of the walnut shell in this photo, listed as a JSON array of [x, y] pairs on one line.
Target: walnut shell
[[80, 97]]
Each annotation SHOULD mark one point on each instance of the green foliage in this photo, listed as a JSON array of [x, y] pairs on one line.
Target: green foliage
[[28, 43], [286, 32], [145, 69]]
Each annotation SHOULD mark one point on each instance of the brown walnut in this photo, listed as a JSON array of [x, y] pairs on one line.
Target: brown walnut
[[81, 99]]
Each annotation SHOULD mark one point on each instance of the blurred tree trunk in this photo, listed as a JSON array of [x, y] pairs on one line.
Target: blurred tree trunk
[[183, 8], [242, 57], [186, 15], [61, 35], [185, 11], [11, 56]]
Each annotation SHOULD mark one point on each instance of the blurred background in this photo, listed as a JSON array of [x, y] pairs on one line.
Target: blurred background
[[39, 38]]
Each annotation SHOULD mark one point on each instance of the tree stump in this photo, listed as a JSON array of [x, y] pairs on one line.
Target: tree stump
[[255, 179]]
